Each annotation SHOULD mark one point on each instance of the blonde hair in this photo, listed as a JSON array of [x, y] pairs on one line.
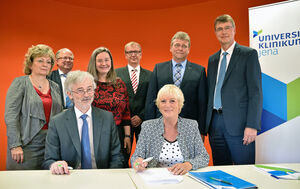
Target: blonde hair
[[173, 91], [132, 43], [34, 52], [181, 35]]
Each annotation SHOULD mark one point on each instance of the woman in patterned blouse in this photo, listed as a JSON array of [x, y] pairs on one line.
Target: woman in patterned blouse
[[172, 141], [111, 95]]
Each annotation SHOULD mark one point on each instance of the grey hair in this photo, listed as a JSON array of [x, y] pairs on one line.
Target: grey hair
[[173, 91], [224, 18], [63, 50], [76, 77]]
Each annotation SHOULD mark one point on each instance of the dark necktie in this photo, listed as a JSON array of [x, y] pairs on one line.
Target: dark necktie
[[86, 160], [217, 99]]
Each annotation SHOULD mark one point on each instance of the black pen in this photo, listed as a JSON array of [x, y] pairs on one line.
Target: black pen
[[220, 180]]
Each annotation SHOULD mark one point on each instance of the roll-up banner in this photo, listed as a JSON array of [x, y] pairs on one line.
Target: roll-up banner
[[275, 34]]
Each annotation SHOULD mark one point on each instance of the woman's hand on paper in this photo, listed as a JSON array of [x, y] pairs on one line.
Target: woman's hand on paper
[[180, 168]]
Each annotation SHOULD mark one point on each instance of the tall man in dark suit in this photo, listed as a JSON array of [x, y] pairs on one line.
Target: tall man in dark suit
[[136, 79], [190, 77], [234, 98], [64, 60], [83, 137]]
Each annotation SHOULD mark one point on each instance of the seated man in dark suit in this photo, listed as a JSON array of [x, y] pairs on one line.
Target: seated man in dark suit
[[188, 76], [64, 61], [83, 136]]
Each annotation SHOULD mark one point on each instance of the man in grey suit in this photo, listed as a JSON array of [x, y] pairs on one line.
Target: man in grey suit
[[64, 61], [190, 77], [234, 98], [137, 80], [83, 136]]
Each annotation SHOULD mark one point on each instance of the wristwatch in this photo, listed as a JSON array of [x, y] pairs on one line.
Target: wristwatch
[[129, 136]]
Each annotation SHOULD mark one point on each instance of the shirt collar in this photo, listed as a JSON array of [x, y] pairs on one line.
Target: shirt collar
[[229, 50], [183, 63], [138, 68], [78, 113], [60, 72]]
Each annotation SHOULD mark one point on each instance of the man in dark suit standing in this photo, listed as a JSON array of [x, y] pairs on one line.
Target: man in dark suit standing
[[83, 137], [234, 98], [137, 80], [64, 60], [190, 77]]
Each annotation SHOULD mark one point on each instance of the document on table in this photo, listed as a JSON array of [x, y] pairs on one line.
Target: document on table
[[159, 176], [279, 172]]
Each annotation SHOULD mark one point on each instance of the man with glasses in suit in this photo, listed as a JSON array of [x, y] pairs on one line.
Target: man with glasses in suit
[[136, 79], [234, 98], [82, 137], [64, 61]]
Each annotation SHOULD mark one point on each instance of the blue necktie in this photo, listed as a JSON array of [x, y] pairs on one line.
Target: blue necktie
[[217, 99], [86, 160], [177, 75], [69, 103]]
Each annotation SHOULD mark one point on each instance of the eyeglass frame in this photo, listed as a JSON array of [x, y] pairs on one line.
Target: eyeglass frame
[[82, 91], [133, 52], [66, 58], [226, 28]]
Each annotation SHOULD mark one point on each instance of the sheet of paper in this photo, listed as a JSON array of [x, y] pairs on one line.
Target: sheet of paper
[[159, 176]]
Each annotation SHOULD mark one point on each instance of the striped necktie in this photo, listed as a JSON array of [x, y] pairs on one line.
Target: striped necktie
[[134, 82]]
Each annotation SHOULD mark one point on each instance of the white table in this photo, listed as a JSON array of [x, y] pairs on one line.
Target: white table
[[246, 172], [128, 179], [78, 179]]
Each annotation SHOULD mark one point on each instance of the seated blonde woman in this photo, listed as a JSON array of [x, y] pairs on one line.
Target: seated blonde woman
[[172, 141]]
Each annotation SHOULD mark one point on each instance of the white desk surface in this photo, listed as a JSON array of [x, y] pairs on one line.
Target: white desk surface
[[127, 178], [78, 179], [246, 172]]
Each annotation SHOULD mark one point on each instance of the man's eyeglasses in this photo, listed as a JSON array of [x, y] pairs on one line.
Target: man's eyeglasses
[[82, 91], [133, 52], [65, 58], [226, 28]]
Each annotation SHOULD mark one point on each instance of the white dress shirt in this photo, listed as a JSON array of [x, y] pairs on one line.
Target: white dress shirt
[[90, 125], [138, 71]]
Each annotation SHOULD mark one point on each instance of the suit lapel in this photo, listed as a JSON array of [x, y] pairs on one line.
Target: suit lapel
[[186, 74], [57, 78], [214, 67], [233, 62], [71, 125], [128, 80], [97, 130], [141, 79], [170, 72], [39, 103]]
